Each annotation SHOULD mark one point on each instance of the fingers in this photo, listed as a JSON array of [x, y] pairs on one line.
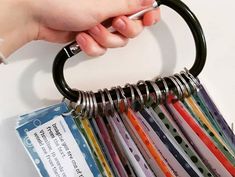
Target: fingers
[[98, 39], [128, 28], [89, 45], [106, 39], [151, 17], [131, 28], [95, 41]]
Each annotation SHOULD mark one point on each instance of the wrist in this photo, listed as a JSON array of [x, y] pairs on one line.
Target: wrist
[[17, 25]]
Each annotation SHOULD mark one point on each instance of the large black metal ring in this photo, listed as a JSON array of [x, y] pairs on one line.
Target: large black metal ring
[[181, 9]]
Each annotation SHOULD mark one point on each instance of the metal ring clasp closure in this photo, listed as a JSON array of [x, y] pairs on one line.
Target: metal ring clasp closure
[[73, 49]]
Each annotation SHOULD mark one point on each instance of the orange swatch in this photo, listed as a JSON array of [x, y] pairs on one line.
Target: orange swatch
[[153, 151]]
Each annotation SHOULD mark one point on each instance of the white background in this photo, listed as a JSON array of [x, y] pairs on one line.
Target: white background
[[26, 83]]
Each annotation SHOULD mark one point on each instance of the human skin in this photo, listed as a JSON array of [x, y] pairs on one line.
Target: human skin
[[61, 21]]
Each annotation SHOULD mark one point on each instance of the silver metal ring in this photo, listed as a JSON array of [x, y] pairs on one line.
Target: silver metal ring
[[146, 89], [124, 98], [132, 92], [87, 105], [178, 89], [103, 102], [68, 102], [193, 84], [182, 87], [79, 98], [166, 87], [139, 95], [83, 105], [112, 109], [164, 92], [95, 104], [87, 101], [91, 110], [192, 77], [70, 106], [118, 102], [78, 107], [187, 87], [79, 101], [157, 91]]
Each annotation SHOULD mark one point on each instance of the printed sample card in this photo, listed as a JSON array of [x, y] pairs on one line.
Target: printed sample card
[[55, 145]]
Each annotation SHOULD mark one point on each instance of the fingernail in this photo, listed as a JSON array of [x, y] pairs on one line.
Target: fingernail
[[81, 40], [120, 24], [95, 30]]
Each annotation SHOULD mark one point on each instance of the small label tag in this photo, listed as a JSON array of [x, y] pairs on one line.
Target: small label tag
[[55, 144]]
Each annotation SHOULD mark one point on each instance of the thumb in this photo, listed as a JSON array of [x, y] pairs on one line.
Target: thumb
[[113, 8]]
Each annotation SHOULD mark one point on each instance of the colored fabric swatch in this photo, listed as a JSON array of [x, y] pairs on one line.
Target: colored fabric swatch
[[218, 117], [185, 167], [180, 139], [195, 111], [187, 118], [86, 125], [148, 143], [132, 152]]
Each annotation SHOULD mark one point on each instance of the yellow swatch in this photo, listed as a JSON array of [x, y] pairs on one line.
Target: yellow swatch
[[86, 125]]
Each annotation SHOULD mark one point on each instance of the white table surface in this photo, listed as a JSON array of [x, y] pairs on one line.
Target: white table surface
[[26, 83]]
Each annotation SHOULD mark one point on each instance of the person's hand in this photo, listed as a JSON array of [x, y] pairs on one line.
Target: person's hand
[[86, 15], [62, 21]]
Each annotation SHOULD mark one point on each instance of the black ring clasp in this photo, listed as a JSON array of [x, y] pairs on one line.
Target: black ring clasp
[[73, 49]]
